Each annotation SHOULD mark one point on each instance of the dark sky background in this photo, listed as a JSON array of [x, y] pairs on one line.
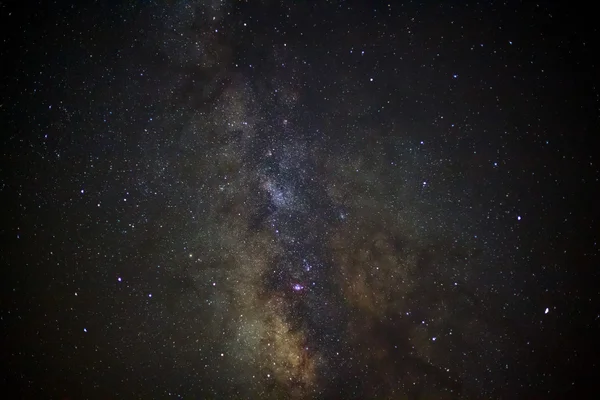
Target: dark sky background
[[298, 200]]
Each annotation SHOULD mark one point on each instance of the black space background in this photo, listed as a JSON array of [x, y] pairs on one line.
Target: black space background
[[114, 90]]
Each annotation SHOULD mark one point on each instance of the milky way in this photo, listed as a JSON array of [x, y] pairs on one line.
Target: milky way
[[331, 264], [284, 200]]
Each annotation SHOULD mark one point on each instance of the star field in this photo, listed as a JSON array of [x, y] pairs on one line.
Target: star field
[[298, 200]]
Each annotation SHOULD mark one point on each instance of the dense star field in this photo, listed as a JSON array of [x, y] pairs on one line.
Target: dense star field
[[298, 200]]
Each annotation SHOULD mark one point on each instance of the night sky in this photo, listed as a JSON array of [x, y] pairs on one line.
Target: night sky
[[299, 200]]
